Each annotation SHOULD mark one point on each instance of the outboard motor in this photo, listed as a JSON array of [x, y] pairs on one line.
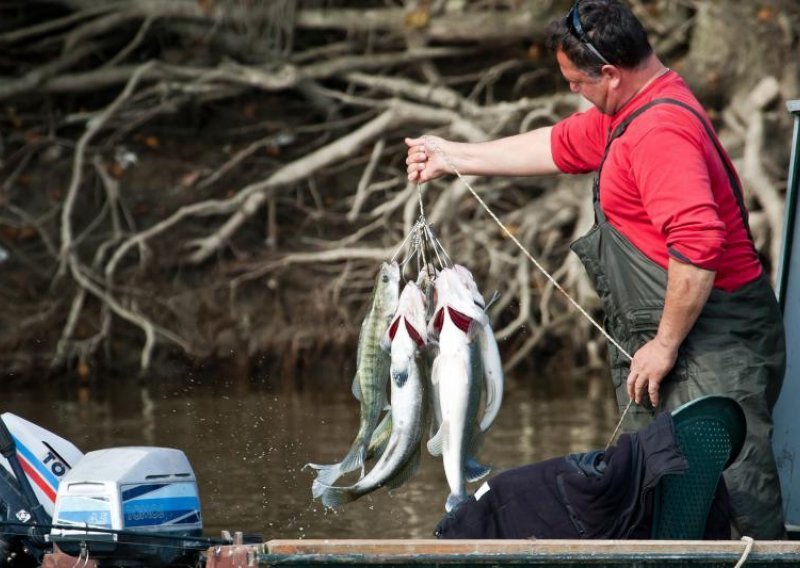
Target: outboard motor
[[33, 463], [142, 502]]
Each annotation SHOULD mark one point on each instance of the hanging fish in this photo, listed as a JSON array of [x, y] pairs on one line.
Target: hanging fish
[[458, 320], [489, 354], [406, 338], [372, 373]]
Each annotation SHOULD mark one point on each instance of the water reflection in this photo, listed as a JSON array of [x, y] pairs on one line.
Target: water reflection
[[248, 444]]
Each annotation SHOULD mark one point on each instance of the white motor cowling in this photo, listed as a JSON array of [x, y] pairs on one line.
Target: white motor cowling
[[143, 500]]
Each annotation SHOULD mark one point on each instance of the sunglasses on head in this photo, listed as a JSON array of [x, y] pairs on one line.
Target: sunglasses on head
[[576, 29]]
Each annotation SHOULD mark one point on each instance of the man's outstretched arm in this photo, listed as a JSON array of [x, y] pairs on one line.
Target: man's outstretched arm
[[527, 154]]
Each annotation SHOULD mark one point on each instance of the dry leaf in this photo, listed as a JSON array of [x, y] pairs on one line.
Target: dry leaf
[[188, 180], [207, 7], [83, 368], [535, 52], [766, 14], [116, 170], [417, 19]]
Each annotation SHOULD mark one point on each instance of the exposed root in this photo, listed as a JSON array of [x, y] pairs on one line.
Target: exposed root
[[302, 190]]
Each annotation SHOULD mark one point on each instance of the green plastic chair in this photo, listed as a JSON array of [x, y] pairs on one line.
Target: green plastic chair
[[710, 432]]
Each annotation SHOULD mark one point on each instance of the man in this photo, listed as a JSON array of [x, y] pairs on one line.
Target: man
[[670, 254]]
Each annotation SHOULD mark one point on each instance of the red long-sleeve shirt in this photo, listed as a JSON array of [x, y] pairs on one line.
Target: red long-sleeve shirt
[[663, 184]]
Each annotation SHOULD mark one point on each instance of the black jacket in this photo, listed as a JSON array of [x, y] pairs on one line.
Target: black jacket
[[593, 495]]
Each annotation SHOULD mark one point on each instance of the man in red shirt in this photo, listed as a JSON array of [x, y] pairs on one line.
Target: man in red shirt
[[670, 254]]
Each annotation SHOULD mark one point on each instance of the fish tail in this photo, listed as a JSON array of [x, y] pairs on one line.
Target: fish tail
[[354, 458], [328, 474], [454, 502], [473, 470], [336, 497], [325, 478]]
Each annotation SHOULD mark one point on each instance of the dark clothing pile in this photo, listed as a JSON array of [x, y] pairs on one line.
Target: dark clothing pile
[[593, 495]]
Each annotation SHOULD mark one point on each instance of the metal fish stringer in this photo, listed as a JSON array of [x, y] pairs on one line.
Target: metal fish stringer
[[422, 243]]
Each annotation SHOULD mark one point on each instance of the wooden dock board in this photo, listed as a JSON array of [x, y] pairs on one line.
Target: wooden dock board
[[538, 553]]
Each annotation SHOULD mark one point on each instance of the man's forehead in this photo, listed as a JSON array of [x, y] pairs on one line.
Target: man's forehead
[[568, 69]]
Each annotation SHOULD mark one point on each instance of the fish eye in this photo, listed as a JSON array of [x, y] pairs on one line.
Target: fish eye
[[385, 277]]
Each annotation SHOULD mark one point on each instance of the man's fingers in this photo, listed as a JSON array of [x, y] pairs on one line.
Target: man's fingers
[[638, 384], [416, 155], [652, 390]]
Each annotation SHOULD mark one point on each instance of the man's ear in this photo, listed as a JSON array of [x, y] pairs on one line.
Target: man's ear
[[612, 74]]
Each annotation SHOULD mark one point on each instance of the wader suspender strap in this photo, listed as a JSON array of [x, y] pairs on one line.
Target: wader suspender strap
[[732, 179]]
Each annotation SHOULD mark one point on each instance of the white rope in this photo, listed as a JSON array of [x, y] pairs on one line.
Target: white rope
[[540, 267], [748, 540]]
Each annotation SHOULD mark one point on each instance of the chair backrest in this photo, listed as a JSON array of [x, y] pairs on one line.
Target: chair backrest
[[710, 432]]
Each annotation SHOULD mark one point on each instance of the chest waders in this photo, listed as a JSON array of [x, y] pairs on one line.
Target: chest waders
[[736, 348]]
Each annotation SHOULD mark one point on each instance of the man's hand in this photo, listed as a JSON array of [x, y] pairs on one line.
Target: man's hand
[[649, 366], [425, 160]]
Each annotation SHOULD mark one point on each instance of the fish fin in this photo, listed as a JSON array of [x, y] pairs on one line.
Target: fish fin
[[325, 478], [435, 444], [493, 379], [454, 502], [362, 458], [356, 388], [336, 497], [380, 439], [473, 470], [406, 472], [354, 459], [493, 399], [317, 489]]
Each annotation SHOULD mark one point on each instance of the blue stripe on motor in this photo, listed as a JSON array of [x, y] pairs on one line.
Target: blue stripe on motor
[[134, 492], [37, 463]]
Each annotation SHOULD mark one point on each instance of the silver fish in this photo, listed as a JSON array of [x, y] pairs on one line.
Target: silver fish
[[372, 373], [458, 320], [490, 356], [399, 461]]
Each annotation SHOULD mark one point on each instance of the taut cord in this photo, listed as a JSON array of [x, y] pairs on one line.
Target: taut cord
[[541, 269]]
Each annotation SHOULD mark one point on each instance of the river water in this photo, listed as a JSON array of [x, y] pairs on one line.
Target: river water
[[248, 442]]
